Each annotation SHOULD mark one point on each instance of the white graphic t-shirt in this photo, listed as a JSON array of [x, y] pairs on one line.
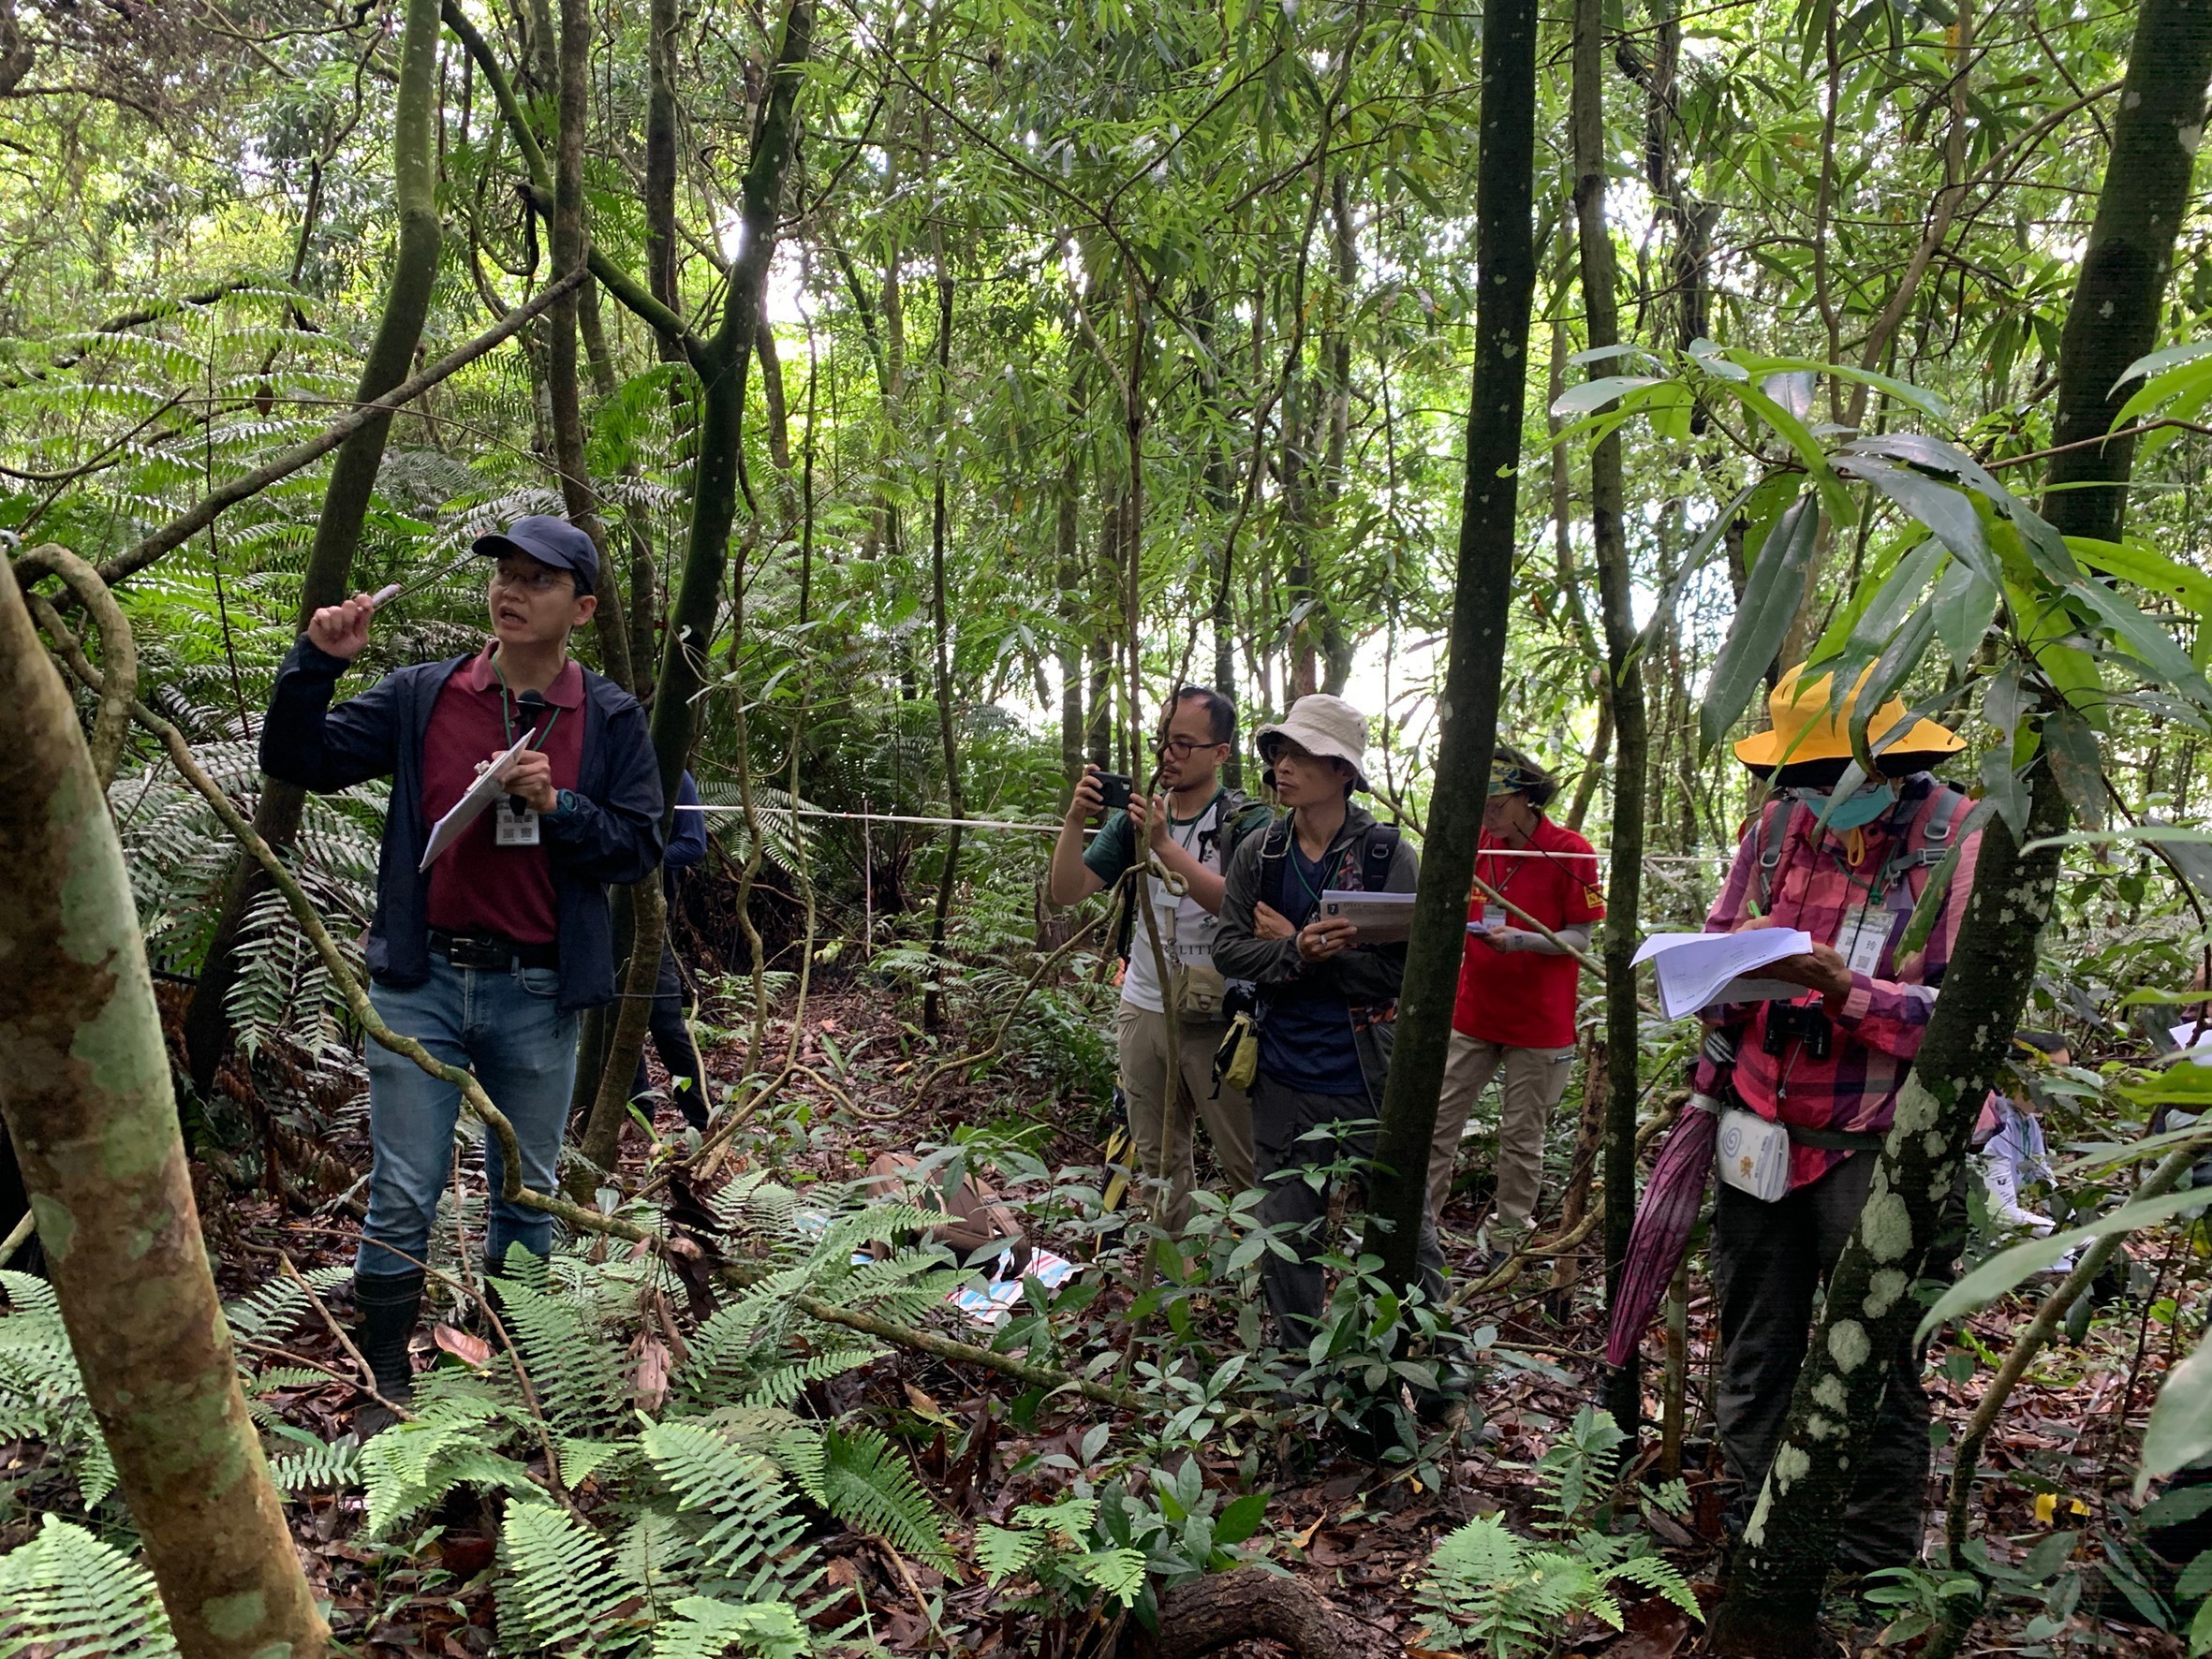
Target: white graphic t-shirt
[[1187, 928]]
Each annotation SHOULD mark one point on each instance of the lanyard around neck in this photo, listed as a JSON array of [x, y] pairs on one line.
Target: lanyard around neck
[[506, 722]]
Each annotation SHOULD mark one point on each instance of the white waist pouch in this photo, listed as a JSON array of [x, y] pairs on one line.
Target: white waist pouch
[[1754, 1154]]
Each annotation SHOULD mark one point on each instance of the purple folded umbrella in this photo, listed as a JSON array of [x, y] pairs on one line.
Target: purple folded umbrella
[[1663, 1223]]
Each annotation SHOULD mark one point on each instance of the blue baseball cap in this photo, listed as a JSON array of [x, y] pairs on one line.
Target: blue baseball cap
[[549, 541]]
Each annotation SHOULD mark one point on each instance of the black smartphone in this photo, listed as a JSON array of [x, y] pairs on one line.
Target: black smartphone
[[1114, 790]]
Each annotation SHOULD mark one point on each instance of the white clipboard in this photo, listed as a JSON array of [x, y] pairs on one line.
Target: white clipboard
[[489, 786]]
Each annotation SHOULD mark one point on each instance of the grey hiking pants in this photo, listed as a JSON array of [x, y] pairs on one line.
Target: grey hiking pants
[[1768, 1261], [1281, 1116]]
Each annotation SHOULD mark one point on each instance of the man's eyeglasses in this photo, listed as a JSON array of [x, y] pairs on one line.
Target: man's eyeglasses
[[1182, 748], [536, 581]]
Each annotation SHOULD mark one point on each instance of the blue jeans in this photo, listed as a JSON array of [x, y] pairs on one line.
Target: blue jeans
[[505, 1026]]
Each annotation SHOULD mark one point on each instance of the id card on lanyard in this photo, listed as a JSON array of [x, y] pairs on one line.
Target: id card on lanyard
[[1866, 930]]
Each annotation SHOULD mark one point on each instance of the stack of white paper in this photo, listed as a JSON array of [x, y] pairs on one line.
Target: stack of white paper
[[2198, 1049], [1697, 970]]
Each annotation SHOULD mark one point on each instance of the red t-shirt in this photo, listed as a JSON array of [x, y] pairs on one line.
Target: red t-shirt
[[1525, 999], [478, 885]]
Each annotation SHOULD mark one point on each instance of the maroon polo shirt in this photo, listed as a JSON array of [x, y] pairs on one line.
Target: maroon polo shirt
[[475, 885]]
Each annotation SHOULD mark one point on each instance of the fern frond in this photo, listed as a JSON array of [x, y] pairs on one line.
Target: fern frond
[[576, 1371], [751, 1542], [317, 1468], [68, 1593], [862, 1479], [704, 1629], [557, 1589]]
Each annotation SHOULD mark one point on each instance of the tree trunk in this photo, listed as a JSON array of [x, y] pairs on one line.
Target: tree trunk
[[563, 390], [932, 1003], [1624, 690], [2113, 318], [85, 1085], [345, 499], [1505, 253], [1069, 547], [722, 391]]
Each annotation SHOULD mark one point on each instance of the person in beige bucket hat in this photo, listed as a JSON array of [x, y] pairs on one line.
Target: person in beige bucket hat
[[1326, 728], [1327, 1002]]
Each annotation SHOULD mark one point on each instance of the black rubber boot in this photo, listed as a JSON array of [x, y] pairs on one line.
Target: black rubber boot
[[390, 1304]]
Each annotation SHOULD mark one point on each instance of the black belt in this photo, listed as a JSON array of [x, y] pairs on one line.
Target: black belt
[[1838, 1140], [491, 951]]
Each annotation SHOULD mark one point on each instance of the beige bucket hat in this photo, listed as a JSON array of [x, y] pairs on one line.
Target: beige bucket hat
[[1320, 724]]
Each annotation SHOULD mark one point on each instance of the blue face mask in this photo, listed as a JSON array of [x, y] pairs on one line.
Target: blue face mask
[[1855, 810]]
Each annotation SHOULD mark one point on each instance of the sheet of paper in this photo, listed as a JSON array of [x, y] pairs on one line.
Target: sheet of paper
[[487, 789], [2199, 1051], [1696, 970], [1382, 918]]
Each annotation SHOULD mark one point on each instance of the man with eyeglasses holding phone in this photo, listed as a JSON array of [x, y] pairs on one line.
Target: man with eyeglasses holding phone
[[1191, 828], [488, 957]]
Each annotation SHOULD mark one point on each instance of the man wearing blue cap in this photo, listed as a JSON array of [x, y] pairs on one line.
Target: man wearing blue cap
[[487, 957]]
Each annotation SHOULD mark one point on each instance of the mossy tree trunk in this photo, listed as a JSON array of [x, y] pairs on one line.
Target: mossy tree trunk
[[722, 361], [84, 1083], [1505, 253], [346, 500]]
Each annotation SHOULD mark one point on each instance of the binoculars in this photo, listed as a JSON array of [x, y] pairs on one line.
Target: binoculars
[[1806, 1022]]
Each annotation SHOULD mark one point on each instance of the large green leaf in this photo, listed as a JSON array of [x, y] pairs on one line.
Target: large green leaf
[[2077, 763], [1896, 661], [2008, 1268], [2180, 1428], [2145, 639], [1965, 605], [1869, 615], [1595, 395], [2148, 568], [1944, 508], [1771, 597]]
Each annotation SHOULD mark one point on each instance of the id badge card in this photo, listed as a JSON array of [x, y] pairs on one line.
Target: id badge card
[[513, 825], [1865, 931]]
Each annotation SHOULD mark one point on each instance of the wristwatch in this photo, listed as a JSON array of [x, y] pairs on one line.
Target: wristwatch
[[566, 801]]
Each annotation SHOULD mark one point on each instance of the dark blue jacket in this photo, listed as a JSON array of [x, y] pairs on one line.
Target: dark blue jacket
[[688, 835], [612, 835]]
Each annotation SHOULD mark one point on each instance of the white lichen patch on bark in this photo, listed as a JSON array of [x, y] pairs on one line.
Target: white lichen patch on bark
[[1848, 1345], [1886, 1225], [1829, 1392], [1883, 1290]]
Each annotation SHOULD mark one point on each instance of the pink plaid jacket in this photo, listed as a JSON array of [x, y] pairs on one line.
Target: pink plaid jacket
[[1879, 1023]]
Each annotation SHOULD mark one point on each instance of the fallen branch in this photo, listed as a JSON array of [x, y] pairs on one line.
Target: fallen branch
[[1247, 1603]]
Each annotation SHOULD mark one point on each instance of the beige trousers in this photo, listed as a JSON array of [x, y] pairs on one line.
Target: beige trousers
[[1159, 1096], [1533, 1081]]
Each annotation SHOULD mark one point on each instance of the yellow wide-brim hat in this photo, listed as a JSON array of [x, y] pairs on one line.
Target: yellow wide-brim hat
[[1802, 726]]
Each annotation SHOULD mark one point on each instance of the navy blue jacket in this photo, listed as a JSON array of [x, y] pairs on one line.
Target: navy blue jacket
[[688, 835], [613, 833]]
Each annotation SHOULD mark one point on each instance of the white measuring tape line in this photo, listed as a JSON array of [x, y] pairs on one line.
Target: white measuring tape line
[[1054, 828]]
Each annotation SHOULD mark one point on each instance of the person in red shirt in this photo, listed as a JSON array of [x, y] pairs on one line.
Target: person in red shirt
[[1515, 1013]]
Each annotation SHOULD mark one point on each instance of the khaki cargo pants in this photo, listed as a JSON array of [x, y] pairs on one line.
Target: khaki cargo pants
[[1160, 1097], [1533, 1081]]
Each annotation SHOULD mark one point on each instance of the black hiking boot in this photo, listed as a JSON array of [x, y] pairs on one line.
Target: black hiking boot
[[390, 1305]]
